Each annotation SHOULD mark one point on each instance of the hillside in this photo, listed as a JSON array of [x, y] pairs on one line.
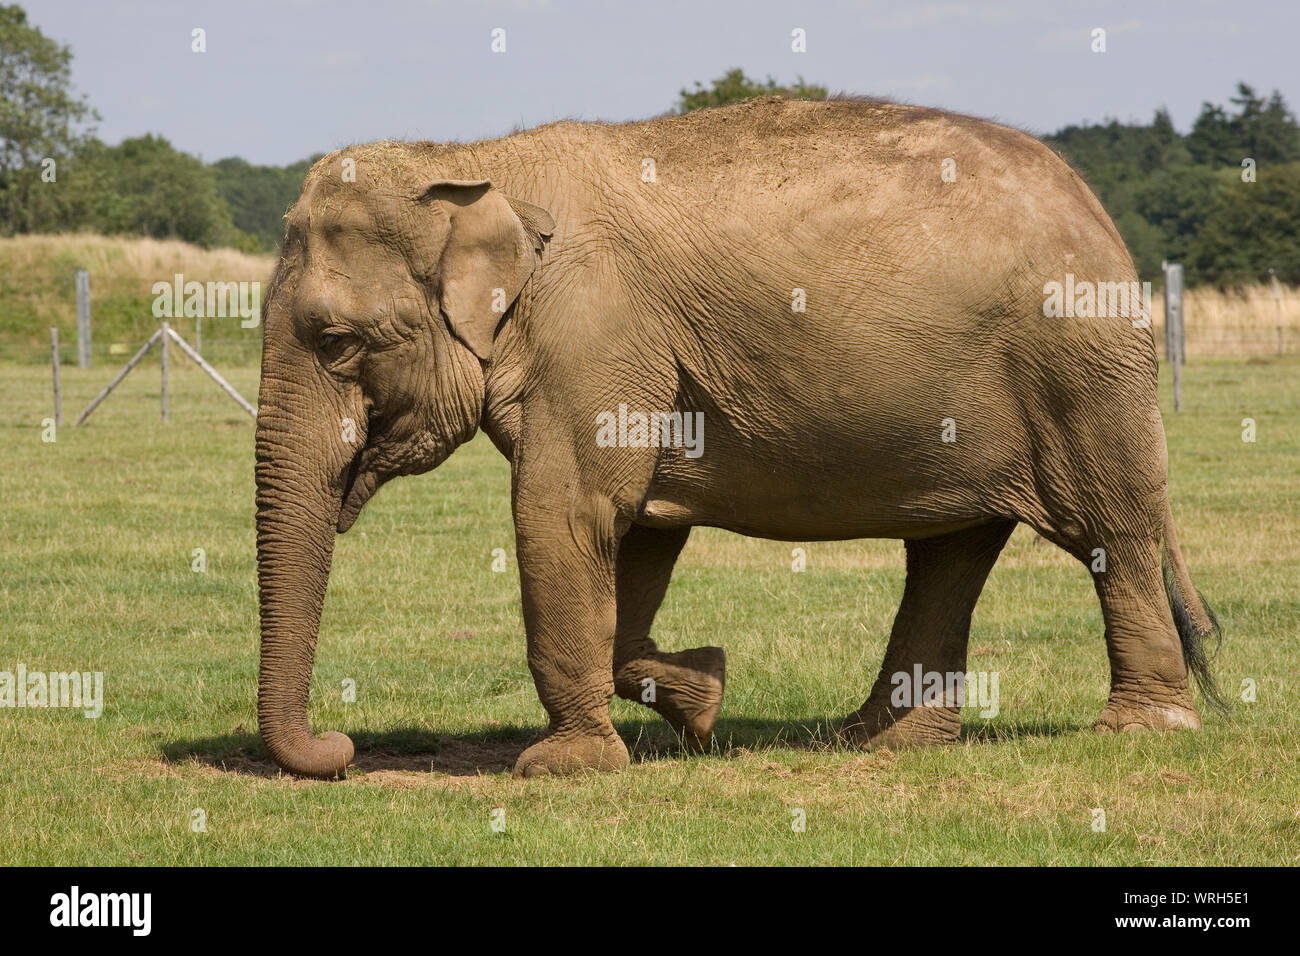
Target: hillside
[[37, 292]]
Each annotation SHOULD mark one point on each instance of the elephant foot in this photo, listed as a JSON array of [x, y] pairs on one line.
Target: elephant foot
[[684, 687], [572, 753], [872, 726], [1125, 712]]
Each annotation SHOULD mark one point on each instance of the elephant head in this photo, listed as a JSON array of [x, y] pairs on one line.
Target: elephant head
[[379, 321]]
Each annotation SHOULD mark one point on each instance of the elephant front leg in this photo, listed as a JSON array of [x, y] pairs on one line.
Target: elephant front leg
[[566, 567], [683, 687]]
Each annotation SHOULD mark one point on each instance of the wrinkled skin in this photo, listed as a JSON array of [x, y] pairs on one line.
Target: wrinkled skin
[[526, 285]]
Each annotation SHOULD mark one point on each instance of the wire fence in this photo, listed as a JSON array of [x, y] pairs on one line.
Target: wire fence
[[1249, 322], [237, 348], [1256, 321]]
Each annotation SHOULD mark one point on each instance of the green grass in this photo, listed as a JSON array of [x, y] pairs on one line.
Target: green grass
[[96, 535]]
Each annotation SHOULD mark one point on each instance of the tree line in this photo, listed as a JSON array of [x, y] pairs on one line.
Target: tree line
[[1223, 199], [56, 176]]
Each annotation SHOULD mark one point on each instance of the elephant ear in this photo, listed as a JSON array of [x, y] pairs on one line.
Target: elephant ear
[[494, 245]]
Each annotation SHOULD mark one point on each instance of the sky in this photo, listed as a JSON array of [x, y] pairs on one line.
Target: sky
[[284, 79]]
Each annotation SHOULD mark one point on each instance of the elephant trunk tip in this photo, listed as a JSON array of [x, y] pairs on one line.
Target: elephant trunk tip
[[324, 758]]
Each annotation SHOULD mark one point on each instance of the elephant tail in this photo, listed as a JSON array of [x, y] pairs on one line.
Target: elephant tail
[[1193, 618]]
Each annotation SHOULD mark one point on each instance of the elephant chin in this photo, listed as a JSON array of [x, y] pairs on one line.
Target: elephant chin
[[376, 464], [360, 489]]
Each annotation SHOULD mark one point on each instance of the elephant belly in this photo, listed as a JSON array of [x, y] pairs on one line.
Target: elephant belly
[[825, 501], [849, 454]]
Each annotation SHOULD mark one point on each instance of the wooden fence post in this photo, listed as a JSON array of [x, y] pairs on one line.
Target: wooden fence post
[[164, 332], [1277, 302], [135, 360], [58, 391], [83, 318], [163, 342], [212, 372]]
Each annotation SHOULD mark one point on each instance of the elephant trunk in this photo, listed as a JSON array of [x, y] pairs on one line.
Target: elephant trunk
[[300, 477]]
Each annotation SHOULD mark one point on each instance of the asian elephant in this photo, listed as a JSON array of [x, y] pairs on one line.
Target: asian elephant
[[793, 320]]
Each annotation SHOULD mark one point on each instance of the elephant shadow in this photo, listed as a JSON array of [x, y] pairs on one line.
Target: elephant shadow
[[496, 750], [402, 749]]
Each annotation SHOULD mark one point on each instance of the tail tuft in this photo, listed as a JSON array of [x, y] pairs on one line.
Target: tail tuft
[[1193, 638]]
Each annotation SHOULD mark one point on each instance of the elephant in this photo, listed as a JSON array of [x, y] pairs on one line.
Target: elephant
[[800, 321]]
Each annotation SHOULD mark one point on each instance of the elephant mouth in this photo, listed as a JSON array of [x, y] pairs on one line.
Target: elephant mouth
[[362, 482], [374, 464]]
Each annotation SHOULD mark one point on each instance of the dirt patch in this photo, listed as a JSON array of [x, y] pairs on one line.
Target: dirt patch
[[455, 757]]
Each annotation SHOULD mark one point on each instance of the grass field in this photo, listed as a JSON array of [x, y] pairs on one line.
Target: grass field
[[97, 534]]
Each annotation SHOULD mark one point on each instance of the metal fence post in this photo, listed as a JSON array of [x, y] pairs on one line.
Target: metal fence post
[[1175, 341]]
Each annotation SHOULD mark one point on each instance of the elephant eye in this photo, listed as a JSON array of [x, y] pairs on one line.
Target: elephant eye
[[338, 346]]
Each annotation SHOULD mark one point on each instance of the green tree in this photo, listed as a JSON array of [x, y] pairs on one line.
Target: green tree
[[1182, 198], [1176, 202], [1146, 243], [259, 196], [144, 186], [1250, 228], [1127, 151], [1264, 130], [735, 87], [38, 117], [1164, 147], [1275, 136], [1211, 137]]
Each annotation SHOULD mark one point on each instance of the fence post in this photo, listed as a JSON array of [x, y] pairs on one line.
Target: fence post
[[135, 360], [1178, 388], [83, 318], [1169, 321], [1175, 341], [164, 371], [58, 391], [1277, 302], [212, 372]]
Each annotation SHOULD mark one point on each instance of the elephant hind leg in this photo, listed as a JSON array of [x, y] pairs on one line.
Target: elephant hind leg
[[1148, 675], [684, 687], [945, 576], [1113, 515]]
